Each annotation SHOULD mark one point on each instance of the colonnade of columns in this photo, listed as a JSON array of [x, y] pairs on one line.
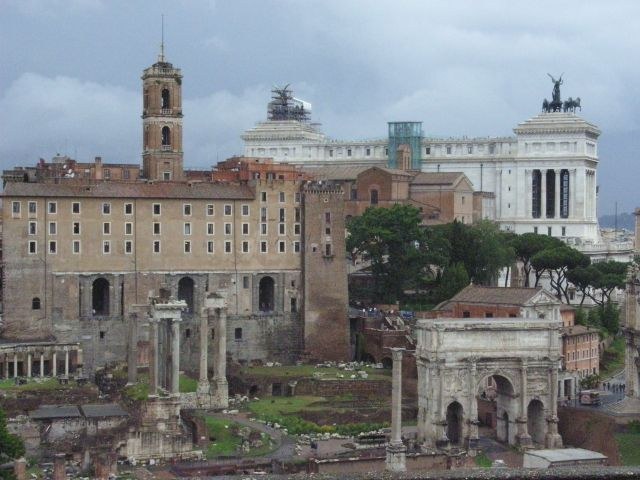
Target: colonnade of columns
[[29, 361], [569, 202]]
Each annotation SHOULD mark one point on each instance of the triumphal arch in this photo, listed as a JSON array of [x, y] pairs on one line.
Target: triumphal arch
[[456, 359]]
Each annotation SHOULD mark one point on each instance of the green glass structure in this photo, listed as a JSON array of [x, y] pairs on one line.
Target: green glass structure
[[405, 133]]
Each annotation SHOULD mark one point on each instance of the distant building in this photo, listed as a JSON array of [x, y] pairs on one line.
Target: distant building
[[543, 179]]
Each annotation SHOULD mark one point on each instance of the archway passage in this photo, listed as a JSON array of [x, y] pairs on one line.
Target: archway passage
[[535, 421], [100, 296], [497, 403], [266, 294], [454, 423], [185, 292]]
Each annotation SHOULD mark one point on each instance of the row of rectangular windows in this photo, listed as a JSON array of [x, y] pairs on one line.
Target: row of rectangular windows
[[156, 247], [52, 207], [187, 228]]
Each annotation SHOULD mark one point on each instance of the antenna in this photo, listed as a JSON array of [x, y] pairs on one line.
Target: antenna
[[161, 57]]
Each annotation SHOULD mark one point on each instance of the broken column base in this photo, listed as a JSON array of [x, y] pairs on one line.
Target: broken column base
[[396, 458], [204, 387], [221, 395]]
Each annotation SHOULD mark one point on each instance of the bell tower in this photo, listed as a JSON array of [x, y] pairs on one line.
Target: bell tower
[[162, 121]]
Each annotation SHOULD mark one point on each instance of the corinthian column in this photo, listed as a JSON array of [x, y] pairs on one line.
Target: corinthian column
[[203, 380], [132, 354], [553, 440], [175, 356], [524, 439], [153, 371], [220, 367], [396, 451]]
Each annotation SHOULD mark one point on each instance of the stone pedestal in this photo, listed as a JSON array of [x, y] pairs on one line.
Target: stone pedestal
[[396, 460], [523, 437], [553, 438]]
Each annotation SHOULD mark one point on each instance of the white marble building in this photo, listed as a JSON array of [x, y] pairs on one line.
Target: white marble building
[[543, 179]]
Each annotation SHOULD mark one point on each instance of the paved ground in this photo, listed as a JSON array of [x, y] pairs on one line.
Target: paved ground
[[496, 450]]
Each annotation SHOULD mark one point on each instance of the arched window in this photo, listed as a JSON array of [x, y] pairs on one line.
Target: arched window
[[374, 197], [100, 296], [145, 102], [35, 303], [266, 294], [185, 292], [166, 98], [166, 136]]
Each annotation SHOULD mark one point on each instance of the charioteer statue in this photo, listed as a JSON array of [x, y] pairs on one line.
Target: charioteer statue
[[556, 104]]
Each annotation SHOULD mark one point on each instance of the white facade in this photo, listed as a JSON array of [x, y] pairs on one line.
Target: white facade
[[560, 146]]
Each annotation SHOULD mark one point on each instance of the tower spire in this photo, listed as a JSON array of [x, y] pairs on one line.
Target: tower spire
[[161, 56]]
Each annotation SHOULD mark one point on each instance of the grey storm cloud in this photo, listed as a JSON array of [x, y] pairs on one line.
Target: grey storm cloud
[[70, 78]]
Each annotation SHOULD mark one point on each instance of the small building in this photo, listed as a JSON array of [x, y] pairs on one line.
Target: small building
[[565, 457]]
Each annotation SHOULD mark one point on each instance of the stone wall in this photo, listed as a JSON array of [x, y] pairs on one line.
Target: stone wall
[[589, 429]]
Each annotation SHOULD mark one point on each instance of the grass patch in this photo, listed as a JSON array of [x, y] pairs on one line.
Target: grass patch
[[187, 384], [285, 405], [483, 461], [34, 385], [301, 371], [226, 439], [282, 410], [224, 442], [612, 361], [629, 446], [140, 390]]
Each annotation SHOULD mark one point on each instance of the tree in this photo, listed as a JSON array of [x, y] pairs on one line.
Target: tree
[[454, 279], [395, 243], [526, 246], [11, 446], [598, 281], [482, 249], [557, 261]]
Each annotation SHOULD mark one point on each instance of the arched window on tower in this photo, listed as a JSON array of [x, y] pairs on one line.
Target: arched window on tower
[[35, 303], [166, 99], [166, 137]]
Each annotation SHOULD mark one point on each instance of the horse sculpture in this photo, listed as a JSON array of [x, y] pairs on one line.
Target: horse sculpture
[[571, 105]]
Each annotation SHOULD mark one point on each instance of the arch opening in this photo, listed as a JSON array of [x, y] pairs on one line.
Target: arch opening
[[374, 196], [454, 423], [535, 421], [497, 407], [35, 303], [100, 296], [185, 292], [166, 98], [266, 290], [166, 136]]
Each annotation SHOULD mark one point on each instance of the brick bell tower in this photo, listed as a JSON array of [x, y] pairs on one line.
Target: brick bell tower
[[162, 121]]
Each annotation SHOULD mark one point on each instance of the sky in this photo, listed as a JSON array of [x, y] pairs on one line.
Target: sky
[[70, 72]]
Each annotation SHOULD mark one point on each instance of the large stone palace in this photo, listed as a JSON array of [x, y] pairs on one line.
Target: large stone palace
[[85, 245], [543, 179]]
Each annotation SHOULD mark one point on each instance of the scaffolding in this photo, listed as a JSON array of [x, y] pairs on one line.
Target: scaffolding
[[284, 106], [408, 134]]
